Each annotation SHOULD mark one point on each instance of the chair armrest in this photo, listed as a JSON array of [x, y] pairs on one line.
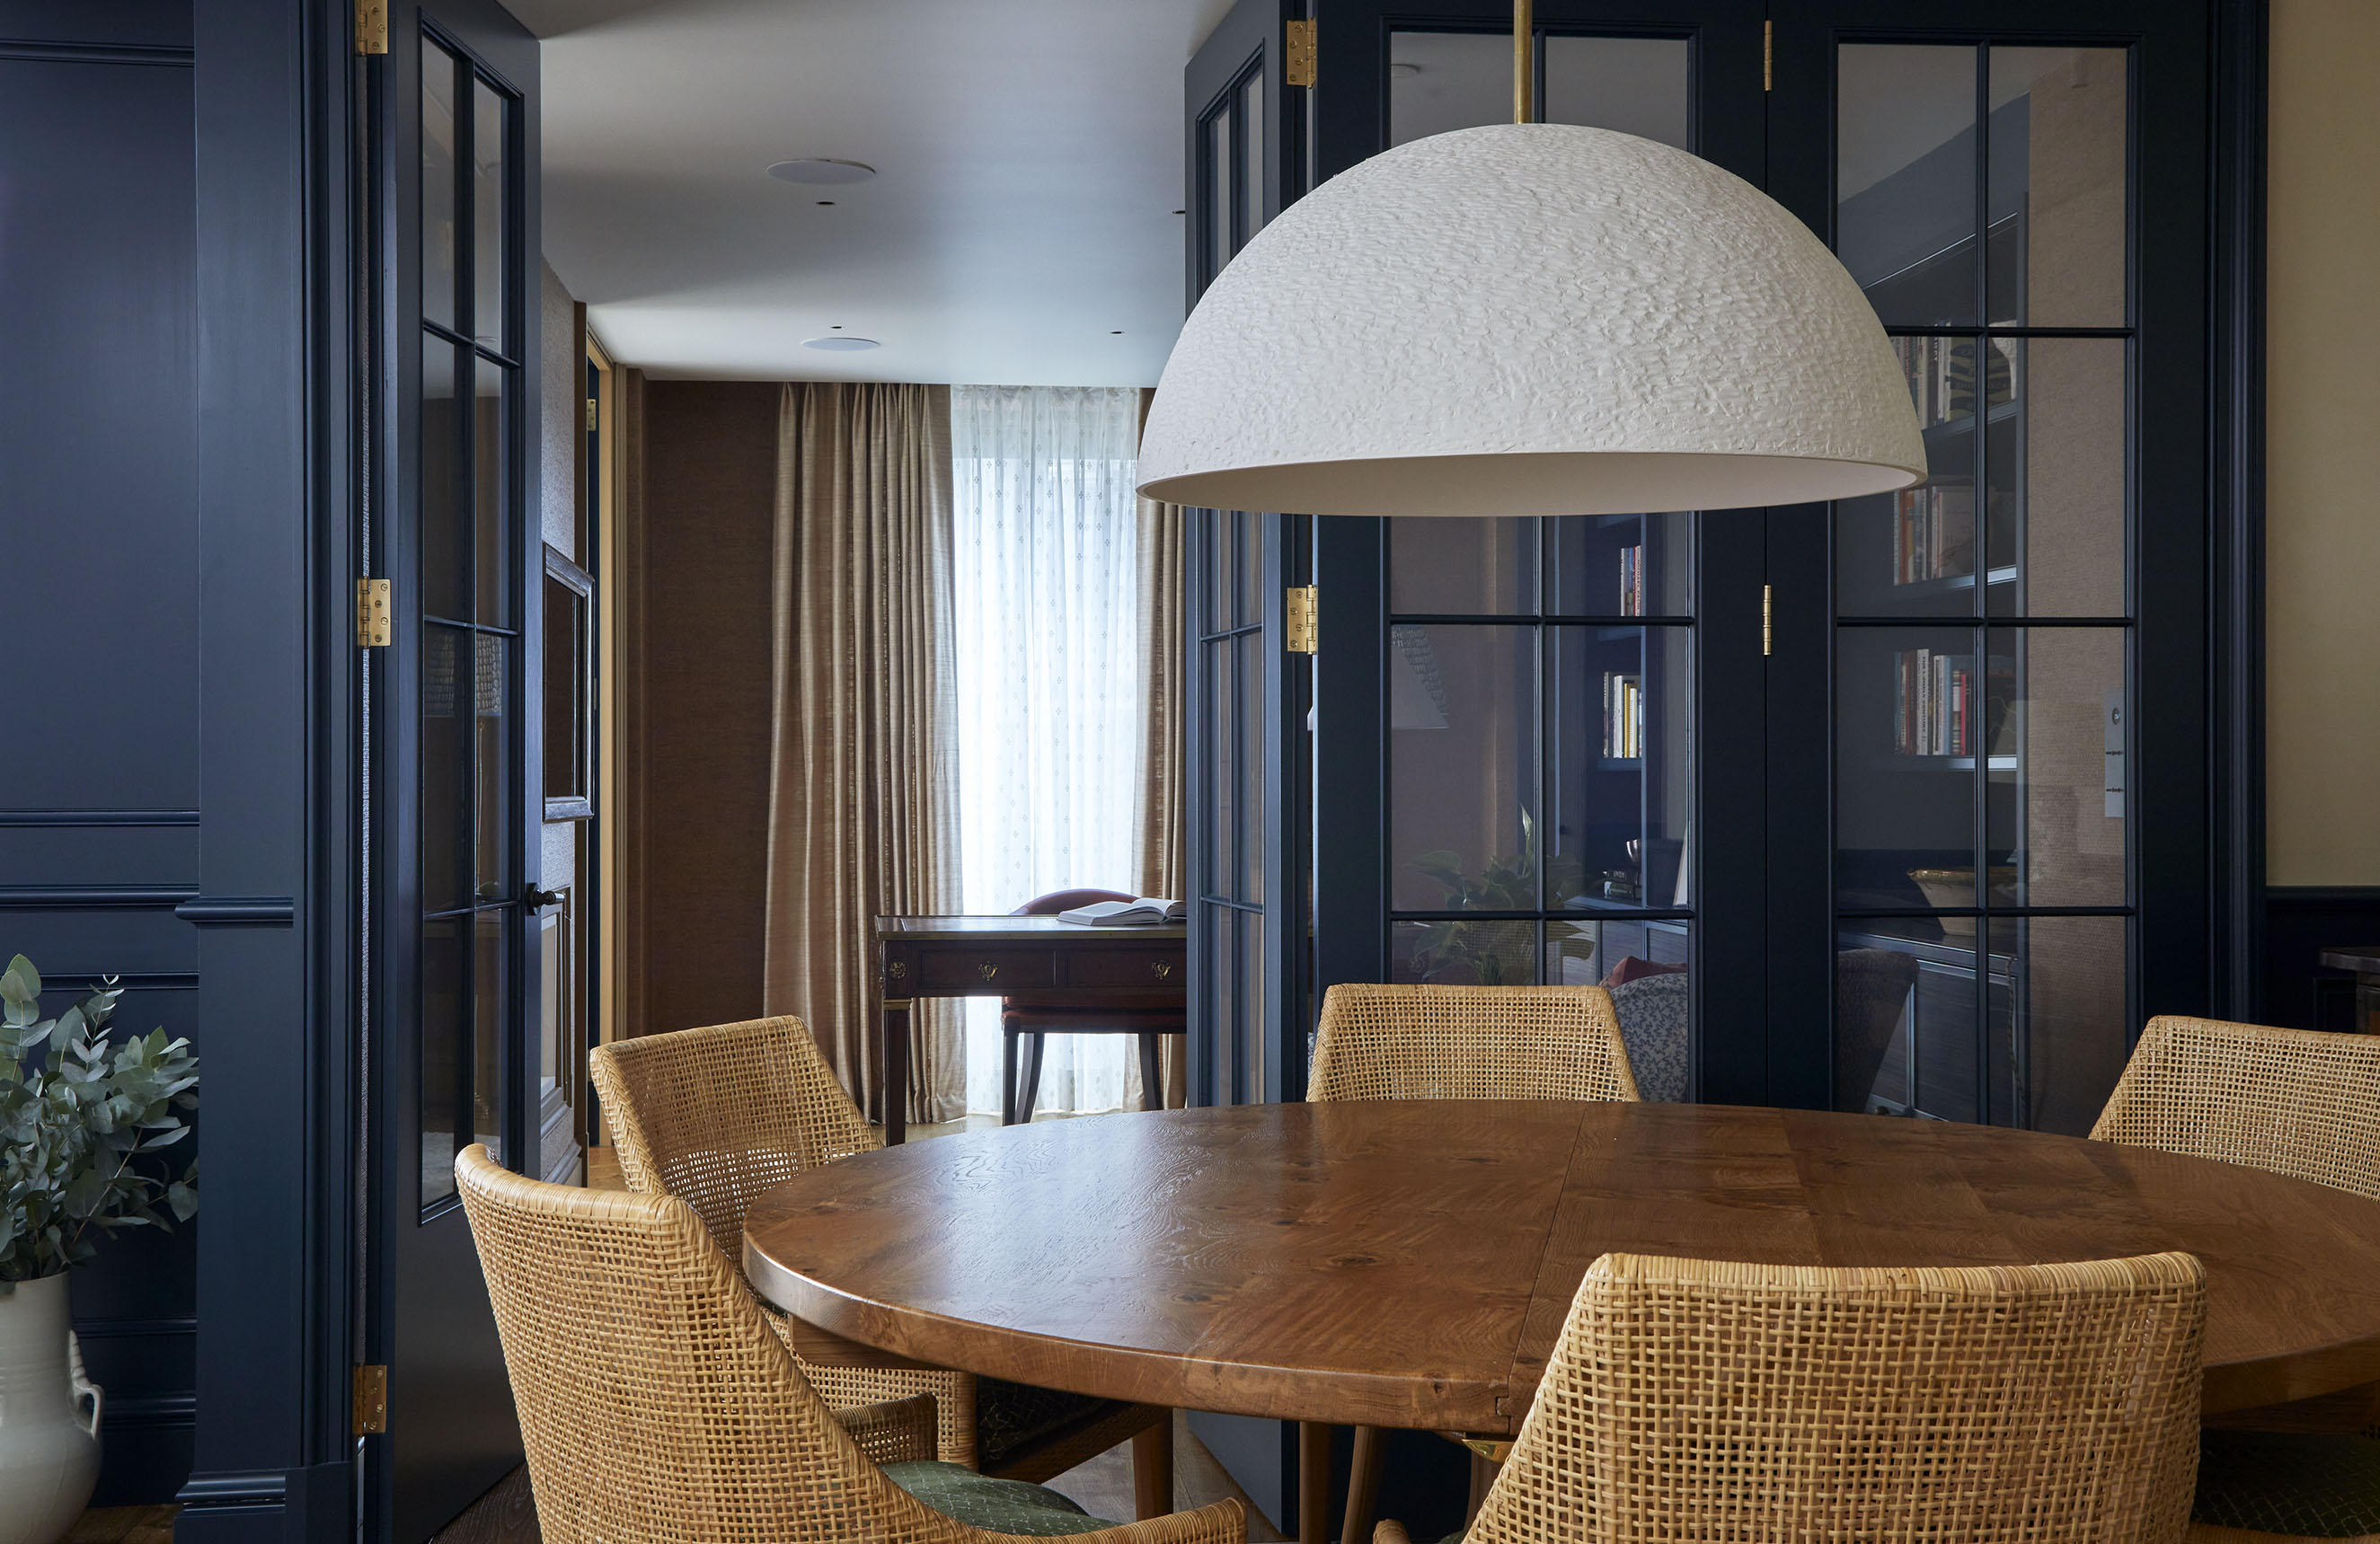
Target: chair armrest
[[1223, 1523], [893, 1430], [1388, 1530]]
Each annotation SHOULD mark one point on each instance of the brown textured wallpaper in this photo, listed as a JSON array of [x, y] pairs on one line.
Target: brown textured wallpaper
[[711, 474]]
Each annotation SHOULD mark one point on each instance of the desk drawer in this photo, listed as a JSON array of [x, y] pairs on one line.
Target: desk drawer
[[1145, 965], [990, 969]]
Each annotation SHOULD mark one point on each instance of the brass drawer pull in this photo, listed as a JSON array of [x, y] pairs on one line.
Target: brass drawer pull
[[987, 970], [1160, 969]]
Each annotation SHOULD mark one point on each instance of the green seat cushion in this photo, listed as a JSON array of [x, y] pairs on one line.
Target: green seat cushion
[[2286, 1482], [1011, 1417], [998, 1505]]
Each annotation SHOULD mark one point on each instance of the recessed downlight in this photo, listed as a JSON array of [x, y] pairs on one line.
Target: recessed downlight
[[820, 170], [841, 344]]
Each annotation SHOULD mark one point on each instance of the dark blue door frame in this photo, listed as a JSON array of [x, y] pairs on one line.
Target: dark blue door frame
[[279, 937]]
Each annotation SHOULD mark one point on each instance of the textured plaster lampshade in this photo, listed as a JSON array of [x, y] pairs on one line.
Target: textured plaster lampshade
[[1532, 318]]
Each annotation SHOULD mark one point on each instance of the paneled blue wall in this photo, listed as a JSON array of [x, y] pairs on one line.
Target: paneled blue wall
[[100, 799]]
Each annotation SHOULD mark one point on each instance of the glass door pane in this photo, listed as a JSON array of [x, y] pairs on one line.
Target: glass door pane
[[471, 530], [1982, 657], [1440, 81], [1541, 765]]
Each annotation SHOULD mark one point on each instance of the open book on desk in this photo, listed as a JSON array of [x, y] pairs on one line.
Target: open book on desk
[[1146, 911]]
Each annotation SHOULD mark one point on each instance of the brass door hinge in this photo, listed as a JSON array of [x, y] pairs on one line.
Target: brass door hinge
[[1768, 55], [590, 414], [371, 1401], [1297, 61], [1301, 631], [372, 614], [371, 26], [1764, 621]]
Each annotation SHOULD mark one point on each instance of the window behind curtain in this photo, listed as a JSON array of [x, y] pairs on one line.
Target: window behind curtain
[[1047, 619]]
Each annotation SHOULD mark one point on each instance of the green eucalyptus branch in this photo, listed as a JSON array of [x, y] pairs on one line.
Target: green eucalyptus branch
[[79, 1124]]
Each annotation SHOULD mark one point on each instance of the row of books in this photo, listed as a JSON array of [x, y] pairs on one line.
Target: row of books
[[1631, 581], [1624, 716], [1941, 708], [1941, 374], [1933, 532]]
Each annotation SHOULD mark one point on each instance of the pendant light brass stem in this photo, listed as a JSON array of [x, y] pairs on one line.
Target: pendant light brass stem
[[1524, 64]]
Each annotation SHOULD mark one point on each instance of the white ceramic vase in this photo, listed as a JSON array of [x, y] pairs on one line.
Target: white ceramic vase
[[49, 1415]]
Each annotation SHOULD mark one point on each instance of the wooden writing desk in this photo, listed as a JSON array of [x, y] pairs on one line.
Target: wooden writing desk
[[991, 956]]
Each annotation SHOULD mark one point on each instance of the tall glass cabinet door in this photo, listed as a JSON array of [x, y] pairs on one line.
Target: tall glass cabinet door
[[1987, 626], [1512, 713], [1245, 735]]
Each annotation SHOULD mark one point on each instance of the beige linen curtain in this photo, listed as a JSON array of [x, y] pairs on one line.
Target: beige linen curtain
[[863, 780], [1162, 853]]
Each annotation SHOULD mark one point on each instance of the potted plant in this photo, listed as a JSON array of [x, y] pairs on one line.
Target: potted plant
[[81, 1132], [1499, 953]]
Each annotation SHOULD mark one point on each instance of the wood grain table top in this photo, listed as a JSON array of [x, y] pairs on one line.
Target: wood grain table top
[[1410, 1263]]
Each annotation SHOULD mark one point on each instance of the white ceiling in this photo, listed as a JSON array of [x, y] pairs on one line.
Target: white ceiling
[[1029, 161]]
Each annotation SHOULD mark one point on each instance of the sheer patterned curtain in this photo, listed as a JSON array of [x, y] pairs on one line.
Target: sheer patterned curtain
[[1046, 597]]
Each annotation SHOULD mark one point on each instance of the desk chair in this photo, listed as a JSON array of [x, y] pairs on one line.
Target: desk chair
[[1026, 1017]]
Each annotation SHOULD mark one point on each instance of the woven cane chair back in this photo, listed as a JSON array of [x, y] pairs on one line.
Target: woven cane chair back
[[716, 1115], [2291, 1102], [655, 1401], [1692, 1399], [1380, 1041]]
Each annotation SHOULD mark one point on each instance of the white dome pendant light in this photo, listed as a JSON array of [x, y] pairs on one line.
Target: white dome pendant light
[[1527, 319]]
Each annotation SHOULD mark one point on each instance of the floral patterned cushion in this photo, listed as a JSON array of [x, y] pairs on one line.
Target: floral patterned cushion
[[1652, 1011]]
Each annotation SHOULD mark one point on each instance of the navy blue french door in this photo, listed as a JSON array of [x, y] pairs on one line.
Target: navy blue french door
[[456, 792]]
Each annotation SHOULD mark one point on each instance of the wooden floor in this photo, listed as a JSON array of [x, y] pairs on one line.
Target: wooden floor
[[124, 1525]]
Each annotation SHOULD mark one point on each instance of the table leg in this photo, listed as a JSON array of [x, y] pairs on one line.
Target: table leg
[[1483, 1475], [1152, 1469], [1362, 1486], [896, 1071], [1152, 1075], [1313, 1483]]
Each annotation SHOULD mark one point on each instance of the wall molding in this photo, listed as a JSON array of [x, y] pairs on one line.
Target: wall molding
[[96, 898], [238, 910], [96, 53], [83, 819], [115, 1329]]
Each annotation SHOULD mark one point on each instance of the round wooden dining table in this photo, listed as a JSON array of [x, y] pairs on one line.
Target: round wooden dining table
[[1410, 1263]]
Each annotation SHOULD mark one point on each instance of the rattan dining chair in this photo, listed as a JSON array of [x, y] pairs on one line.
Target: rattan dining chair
[[2291, 1102], [1398, 1041], [719, 1114], [2305, 1105], [657, 1405], [1694, 1399], [1422, 1042]]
